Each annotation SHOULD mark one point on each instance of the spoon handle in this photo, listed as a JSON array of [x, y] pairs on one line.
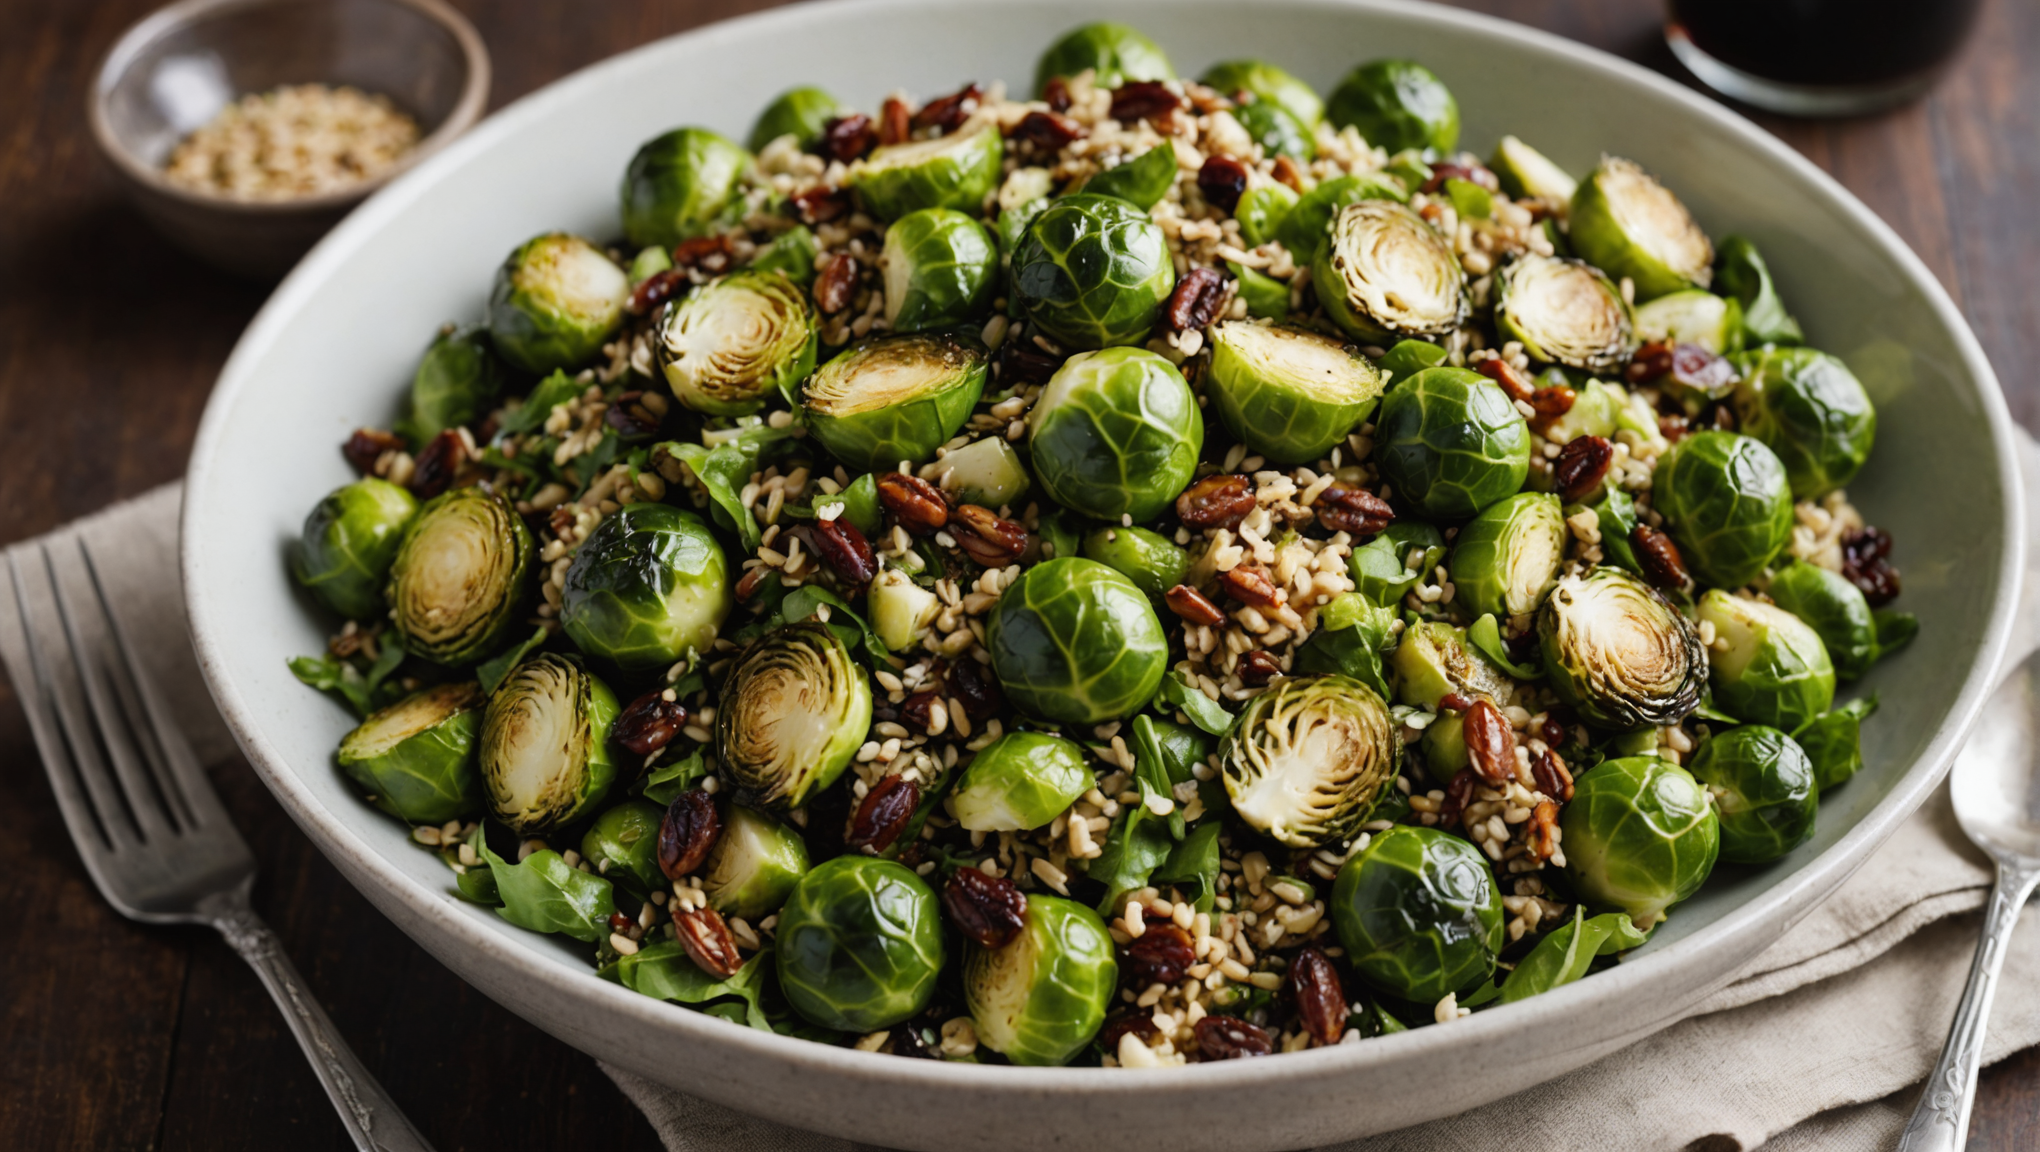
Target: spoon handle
[[1941, 1122]]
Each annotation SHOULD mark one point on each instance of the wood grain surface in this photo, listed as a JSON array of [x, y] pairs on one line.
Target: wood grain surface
[[117, 1036]]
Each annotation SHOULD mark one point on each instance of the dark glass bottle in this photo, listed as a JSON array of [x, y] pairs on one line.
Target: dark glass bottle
[[1819, 56]]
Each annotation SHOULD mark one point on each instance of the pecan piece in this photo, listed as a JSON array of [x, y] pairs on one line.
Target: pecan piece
[[1517, 385], [821, 204], [711, 253], [884, 813], [438, 464], [1458, 794], [636, 415], [1196, 301], [687, 833], [366, 446], [1231, 1038], [1553, 778], [1143, 100], [948, 113], [1582, 466], [1320, 998], [1542, 838], [1160, 955], [1056, 94], [1866, 562], [835, 282], [655, 290], [847, 137], [1217, 501], [707, 938], [990, 910], [843, 548], [1048, 131], [1553, 402], [975, 689], [648, 723], [895, 124], [913, 503], [985, 538], [1355, 511], [1250, 586], [1259, 666], [1489, 744], [1193, 606], [1658, 557], [1223, 180], [1289, 175]]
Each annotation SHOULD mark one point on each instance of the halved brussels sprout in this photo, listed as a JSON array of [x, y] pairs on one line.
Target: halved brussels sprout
[[754, 866], [1596, 406], [1526, 173], [556, 301], [1507, 558], [1692, 316], [1768, 667], [1434, 658], [1811, 410], [1727, 504], [801, 113], [1627, 224], [954, 171], [1764, 795], [457, 382], [900, 608], [678, 184], [460, 577], [1116, 433], [1268, 85], [895, 397], [1308, 760], [1639, 836], [1074, 641], [1835, 609], [1041, 997], [1289, 393], [985, 472], [648, 586], [1115, 53], [1305, 226], [416, 758], [1093, 271], [1020, 782], [349, 542], [1746, 277], [794, 710], [941, 268], [1451, 442], [545, 744], [1396, 104], [1419, 914], [1384, 273], [623, 845], [859, 944], [1151, 560], [1619, 652], [1276, 130], [733, 343], [1564, 312]]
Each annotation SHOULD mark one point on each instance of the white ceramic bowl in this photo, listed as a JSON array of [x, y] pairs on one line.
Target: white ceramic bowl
[[336, 343]]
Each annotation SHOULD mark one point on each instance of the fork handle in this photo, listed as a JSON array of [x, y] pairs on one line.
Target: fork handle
[[372, 1119]]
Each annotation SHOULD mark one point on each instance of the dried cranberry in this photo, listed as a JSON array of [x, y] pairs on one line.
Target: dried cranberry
[[989, 910], [648, 723], [1223, 180], [884, 813], [688, 833]]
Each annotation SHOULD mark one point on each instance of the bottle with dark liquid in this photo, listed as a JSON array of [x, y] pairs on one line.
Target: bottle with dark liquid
[[1819, 57]]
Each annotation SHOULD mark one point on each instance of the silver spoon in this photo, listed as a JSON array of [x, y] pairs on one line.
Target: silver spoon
[[1996, 787]]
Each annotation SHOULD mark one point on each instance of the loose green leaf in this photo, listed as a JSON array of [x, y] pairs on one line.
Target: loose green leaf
[[1486, 635], [545, 894], [725, 469], [477, 883], [553, 391], [664, 972], [492, 672], [1192, 866], [1470, 200], [1409, 357], [1141, 181], [1266, 297], [1617, 515], [1623, 934], [1353, 634], [855, 632], [1177, 695], [1563, 956], [364, 692], [667, 781], [792, 253], [1894, 630]]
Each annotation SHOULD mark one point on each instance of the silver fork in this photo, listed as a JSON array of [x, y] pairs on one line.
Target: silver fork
[[147, 822]]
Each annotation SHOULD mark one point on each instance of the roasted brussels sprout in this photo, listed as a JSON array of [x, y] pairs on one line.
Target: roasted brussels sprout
[[1307, 760], [545, 744], [985, 472], [801, 113], [1450, 442], [940, 269], [1564, 312], [1074, 641], [1764, 795], [457, 382], [733, 343], [1767, 666], [1746, 277], [1384, 273], [416, 758], [1434, 658], [1639, 836], [1526, 173], [1304, 227], [1627, 224], [1041, 997], [1835, 609], [1151, 560], [754, 866], [648, 586], [1093, 271], [899, 609], [895, 397], [1396, 104], [1507, 558], [954, 171], [678, 184], [1834, 743], [1619, 653], [1419, 914], [1116, 53], [794, 710], [1692, 316], [1020, 782], [460, 577], [349, 542], [1276, 130], [556, 301], [1727, 503], [1116, 433], [859, 944], [1807, 407], [1267, 84], [1261, 213], [1289, 393], [623, 845]]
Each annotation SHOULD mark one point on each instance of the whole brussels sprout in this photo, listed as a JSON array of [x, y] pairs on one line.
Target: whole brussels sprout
[[416, 758], [457, 382], [460, 577], [794, 710], [1041, 997], [677, 185], [1396, 104], [1833, 743], [1450, 442], [555, 302], [1434, 658], [623, 845], [1419, 914], [1507, 558], [1093, 271], [1811, 410], [941, 268], [1115, 53], [1020, 782], [801, 113], [1619, 653], [1726, 503], [1304, 228], [1261, 213], [1835, 609], [1384, 273], [1074, 641], [1289, 394], [1639, 837], [1276, 130], [1526, 173], [648, 586], [954, 171], [1767, 666], [1308, 760], [1627, 224], [754, 866], [1116, 433], [1746, 278], [1764, 795], [1151, 560], [349, 542], [1692, 316], [895, 397], [859, 944], [734, 343], [545, 744], [985, 472], [1267, 84], [1564, 312]]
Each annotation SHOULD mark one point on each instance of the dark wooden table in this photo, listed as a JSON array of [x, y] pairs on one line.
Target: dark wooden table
[[114, 1035]]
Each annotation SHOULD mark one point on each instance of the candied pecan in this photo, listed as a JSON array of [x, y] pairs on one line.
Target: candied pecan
[[1056, 94], [1489, 745], [835, 282], [1553, 778], [655, 290], [1553, 402], [636, 415], [1196, 301], [1023, 362], [1701, 370], [913, 503], [821, 204], [1320, 997], [1250, 586], [687, 833], [438, 464], [1138, 1022], [1474, 173], [846, 138], [894, 122], [1582, 466], [1193, 606], [1217, 501], [1658, 557], [1288, 174], [975, 688], [367, 446], [1649, 362], [1866, 562], [1048, 131], [918, 711], [949, 112], [1542, 838], [649, 723], [1355, 511], [1223, 180], [752, 580], [1143, 100], [1259, 666], [1455, 702], [843, 548], [708, 941], [1231, 1038], [884, 813], [990, 910], [1512, 380], [1674, 427], [1160, 955], [1458, 794], [985, 538]]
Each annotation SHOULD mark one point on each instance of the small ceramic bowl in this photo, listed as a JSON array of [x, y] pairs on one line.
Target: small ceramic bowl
[[175, 71]]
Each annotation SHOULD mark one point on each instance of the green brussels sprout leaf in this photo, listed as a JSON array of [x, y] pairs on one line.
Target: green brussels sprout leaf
[[1627, 224], [1267, 298], [792, 254], [954, 171], [731, 345], [1693, 316], [1564, 312], [1352, 636], [1525, 173], [555, 302], [461, 576], [1267, 84], [1764, 792], [1176, 694], [649, 262], [1807, 407], [1092, 272], [859, 944], [1640, 835], [1616, 517], [1485, 634], [678, 184], [544, 893], [1451, 442], [724, 470], [1619, 652], [801, 113], [545, 755], [1469, 200], [491, 672], [1433, 658], [1262, 210], [668, 780], [1409, 357], [1388, 566], [1073, 640], [623, 845], [1565, 954], [664, 971], [1745, 276], [1141, 181], [1833, 742]]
